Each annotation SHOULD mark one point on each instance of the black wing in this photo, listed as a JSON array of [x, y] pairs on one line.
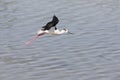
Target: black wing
[[50, 24]]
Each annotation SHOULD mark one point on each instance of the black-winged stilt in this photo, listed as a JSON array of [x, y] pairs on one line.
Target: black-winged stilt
[[49, 28]]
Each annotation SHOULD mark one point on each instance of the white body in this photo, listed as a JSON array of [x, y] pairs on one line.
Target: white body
[[53, 32]]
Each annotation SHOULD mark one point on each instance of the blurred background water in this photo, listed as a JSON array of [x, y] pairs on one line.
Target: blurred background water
[[91, 53]]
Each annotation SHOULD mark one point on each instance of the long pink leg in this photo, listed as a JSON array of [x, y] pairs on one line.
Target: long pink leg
[[34, 38]]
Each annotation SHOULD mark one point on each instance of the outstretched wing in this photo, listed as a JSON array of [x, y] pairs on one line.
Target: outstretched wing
[[55, 20], [51, 24]]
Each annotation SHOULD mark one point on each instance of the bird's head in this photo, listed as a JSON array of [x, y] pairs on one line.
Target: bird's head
[[67, 31]]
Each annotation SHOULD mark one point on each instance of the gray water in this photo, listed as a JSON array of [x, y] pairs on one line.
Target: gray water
[[91, 53]]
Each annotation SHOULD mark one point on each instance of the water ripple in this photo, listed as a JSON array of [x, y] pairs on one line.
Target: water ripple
[[91, 53]]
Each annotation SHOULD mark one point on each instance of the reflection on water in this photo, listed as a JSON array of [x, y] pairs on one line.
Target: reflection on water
[[91, 53]]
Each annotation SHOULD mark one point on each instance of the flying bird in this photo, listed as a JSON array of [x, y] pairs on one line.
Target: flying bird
[[50, 28]]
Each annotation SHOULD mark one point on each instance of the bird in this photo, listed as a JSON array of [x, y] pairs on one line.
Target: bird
[[49, 28]]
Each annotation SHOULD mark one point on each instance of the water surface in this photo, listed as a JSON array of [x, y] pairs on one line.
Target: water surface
[[91, 53]]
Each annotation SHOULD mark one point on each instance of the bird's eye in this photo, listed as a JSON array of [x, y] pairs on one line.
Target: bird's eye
[[64, 29]]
